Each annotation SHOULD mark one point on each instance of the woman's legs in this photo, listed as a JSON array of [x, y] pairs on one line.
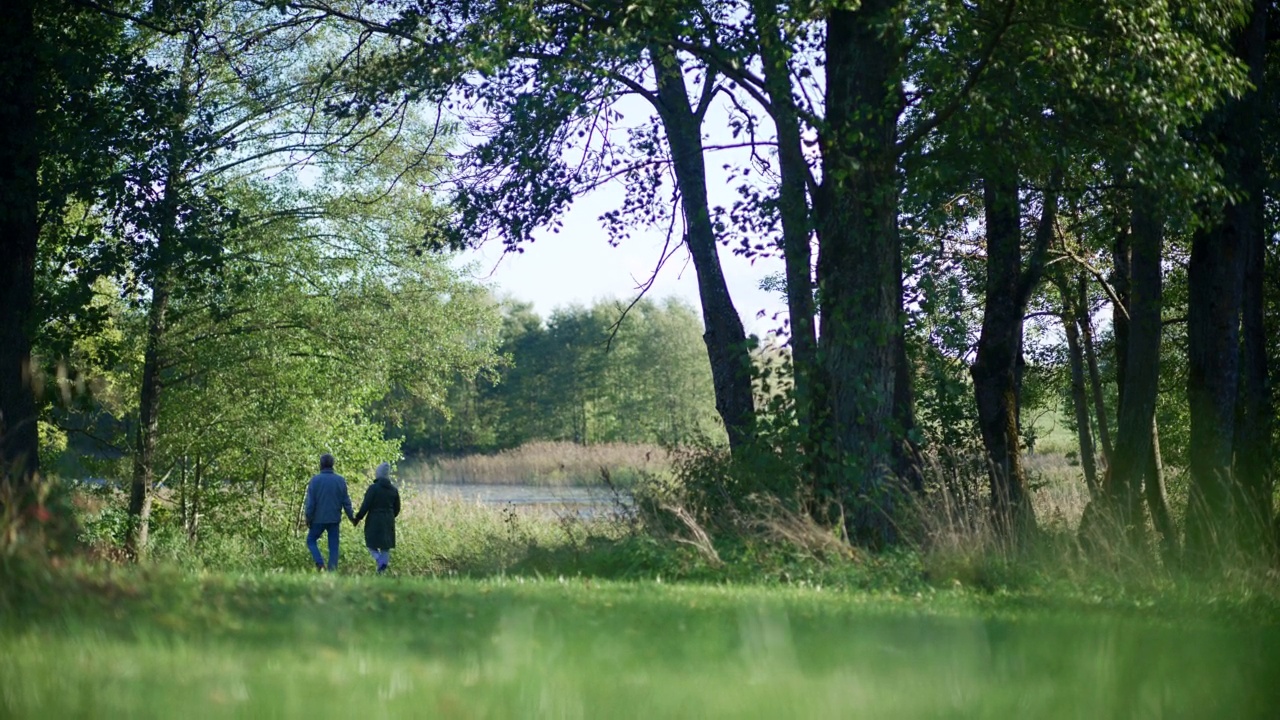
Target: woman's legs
[[381, 557]]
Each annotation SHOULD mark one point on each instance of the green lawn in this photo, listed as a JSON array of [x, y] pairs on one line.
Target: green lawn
[[160, 644]]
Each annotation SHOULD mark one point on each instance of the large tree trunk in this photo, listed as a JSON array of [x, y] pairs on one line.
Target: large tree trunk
[[1091, 362], [1120, 283], [858, 269], [724, 336], [1079, 394], [1213, 381], [793, 210], [1216, 500], [996, 369], [1141, 365], [995, 366], [19, 162], [909, 468], [1255, 412]]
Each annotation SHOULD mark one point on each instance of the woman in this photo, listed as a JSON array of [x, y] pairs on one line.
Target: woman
[[382, 505]]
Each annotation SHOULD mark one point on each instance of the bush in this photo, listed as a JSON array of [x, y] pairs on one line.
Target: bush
[[37, 519]]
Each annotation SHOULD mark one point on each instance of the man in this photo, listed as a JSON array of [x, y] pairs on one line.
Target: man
[[326, 500]]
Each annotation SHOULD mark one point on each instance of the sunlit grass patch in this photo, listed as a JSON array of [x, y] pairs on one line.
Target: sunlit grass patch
[[296, 645]]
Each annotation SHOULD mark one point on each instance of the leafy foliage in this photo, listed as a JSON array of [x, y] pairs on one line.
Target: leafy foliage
[[584, 376]]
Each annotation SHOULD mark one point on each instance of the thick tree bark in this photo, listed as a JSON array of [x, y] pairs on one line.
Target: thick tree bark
[[19, 163], [793, 209], [996, 369], [858, 269], [1091, 362], [724, 335], [1217, 502], [1079, 394], [1213, 381], [909, 467], [1141, 363], [1120, 280], [1255, 412]]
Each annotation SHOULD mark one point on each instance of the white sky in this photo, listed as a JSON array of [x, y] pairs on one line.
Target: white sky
[[578, 266]]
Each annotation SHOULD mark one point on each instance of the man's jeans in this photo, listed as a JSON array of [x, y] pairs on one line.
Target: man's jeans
[[313, 535]]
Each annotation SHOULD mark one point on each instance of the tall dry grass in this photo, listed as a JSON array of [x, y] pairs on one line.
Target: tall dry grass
[[956, 540], [1059, 494], [544, 463], [444, 535]]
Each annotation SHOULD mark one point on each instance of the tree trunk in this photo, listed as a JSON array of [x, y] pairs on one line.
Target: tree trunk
[[1158, 502], [19, 229], [262, 504], [909, 466], [144, 449], [1079, 395], [793, 210], [996, 370], [193, 528], [999, 346], [1095, 377], [858, 269], [1141, 363], [182, 493], [724, 336], [163, 275], [1121, 252], [1215, 288], [1254, 415]]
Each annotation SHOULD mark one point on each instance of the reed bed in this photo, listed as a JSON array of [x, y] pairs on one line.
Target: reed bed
[[544, 463]]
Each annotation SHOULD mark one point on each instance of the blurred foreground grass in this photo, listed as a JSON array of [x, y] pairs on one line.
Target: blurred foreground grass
[[101, 642]]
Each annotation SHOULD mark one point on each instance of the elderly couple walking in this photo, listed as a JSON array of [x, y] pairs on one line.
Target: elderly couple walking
[[327, 499]]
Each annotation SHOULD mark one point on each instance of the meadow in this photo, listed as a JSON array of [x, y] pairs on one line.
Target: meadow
[[498, 612], [84, 641], [505, 611]]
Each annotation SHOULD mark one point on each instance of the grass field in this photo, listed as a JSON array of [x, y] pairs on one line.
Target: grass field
[[95, 642]]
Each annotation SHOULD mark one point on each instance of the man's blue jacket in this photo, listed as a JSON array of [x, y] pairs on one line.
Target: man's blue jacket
[[327, 498]]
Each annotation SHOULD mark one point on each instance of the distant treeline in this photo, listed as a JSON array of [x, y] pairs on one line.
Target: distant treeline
[[584, 374]]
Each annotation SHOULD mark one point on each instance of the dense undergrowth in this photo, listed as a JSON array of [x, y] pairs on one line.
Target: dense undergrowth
[[707, 521], [675, 605], [771, 548]]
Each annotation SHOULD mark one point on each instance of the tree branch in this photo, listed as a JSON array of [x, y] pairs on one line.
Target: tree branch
[[941, 116]]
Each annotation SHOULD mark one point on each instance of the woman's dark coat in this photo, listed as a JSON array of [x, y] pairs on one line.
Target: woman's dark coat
[[382, 505]]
